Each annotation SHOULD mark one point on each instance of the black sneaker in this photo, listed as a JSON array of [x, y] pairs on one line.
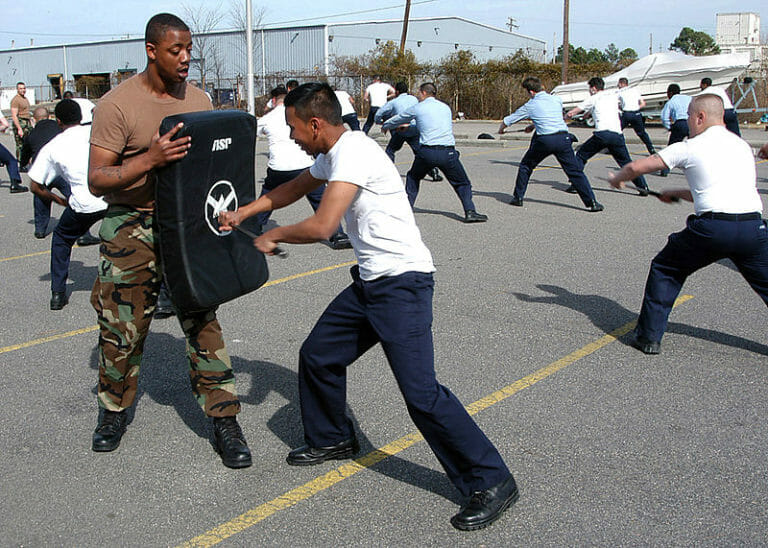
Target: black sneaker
[[229, 441], [472, 216], [485, 507], [571, 190], [58, 300], [17, 187], [595, 207], [110, 431], [645, 346]]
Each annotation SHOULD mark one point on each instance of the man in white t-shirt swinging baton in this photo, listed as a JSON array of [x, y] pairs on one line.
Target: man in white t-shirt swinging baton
[[388, 302], [727, 223]]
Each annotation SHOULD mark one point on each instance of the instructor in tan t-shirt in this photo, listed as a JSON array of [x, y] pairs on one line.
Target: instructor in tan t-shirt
[[21, 117], [125, 149]]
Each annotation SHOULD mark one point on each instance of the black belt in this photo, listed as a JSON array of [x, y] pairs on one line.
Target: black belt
[[755, 216], [439, 147]]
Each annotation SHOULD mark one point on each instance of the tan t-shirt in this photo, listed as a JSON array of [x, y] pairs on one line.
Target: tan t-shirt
[[124, 122], [21, 103]]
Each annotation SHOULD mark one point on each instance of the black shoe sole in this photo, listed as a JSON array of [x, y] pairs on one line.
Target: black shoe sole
[[488, 521], [104, 448], [341, 454], [236, 464]]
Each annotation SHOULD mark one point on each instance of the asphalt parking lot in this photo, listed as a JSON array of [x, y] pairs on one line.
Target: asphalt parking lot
[[532, 310]]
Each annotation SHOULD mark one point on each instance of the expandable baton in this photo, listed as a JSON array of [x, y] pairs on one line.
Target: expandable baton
[[278, 251]]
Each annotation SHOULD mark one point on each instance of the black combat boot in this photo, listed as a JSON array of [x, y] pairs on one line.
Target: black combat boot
[[230, 443]]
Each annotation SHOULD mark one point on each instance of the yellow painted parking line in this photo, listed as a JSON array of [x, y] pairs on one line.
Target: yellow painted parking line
[[303, 492], [35, 254], [44, 340], [25, 256]]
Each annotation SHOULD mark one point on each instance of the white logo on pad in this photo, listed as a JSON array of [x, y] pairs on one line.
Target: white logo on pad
[[221, 197], [221, 144]]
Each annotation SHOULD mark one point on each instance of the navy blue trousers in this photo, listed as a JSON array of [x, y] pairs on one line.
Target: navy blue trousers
[[352, 121], [703, 242], [636, 121], [678, 132], [369, 121], [616, 146], [42, 208], [398, 139], [70, 227], [446, 158], [11, 163], [731, 120], [276, 178], [397, 312], [558, 144]]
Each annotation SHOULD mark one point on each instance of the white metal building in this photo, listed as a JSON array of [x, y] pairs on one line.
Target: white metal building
[[298, 50]]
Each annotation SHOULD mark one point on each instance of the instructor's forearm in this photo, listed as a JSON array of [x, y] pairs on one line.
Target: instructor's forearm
[[103, 179]]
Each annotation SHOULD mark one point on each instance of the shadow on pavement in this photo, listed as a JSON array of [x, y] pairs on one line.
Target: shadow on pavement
[[607, 315], [165, 380]]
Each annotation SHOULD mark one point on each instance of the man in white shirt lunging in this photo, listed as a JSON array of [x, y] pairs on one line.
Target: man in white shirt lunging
[[388, 302], [727, 223]]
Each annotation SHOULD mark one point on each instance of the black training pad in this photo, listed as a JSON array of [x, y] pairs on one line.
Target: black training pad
[[203, 269]]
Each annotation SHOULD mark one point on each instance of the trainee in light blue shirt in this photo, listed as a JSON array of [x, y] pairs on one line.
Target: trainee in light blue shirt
[[396, 106], [434, 121], [544, 110], [675, 109]]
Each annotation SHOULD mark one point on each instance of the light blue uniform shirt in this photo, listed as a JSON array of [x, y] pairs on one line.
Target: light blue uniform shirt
[[396, 106], [544, 110], [433, 119], [675, 109]]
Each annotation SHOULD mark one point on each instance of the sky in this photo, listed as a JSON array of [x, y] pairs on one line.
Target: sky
[[593, 23]]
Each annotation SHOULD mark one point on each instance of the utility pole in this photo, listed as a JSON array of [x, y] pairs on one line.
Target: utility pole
[[405, 26], [650, 45], [564, 76], [249, 56]]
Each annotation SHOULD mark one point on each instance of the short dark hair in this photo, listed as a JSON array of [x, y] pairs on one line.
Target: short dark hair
[[68, 95], [532, 84], [623, 80], [596, 82], [278, 91], [68, 112], [429, 88], [315, 99], [159, 24], [401, 87], [706, 81], [292, 84], [673, 89], [20, 84]]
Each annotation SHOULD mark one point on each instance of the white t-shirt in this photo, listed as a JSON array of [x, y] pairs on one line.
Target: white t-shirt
[[377, 92], [379, 221], [66, 156], [720, 92], [604, 108], [629, 99], [284, 153], [720, 170], [346, 104]]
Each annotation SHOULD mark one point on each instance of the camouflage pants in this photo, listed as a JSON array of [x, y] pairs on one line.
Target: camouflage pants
[[26, 127], [125, 297]]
